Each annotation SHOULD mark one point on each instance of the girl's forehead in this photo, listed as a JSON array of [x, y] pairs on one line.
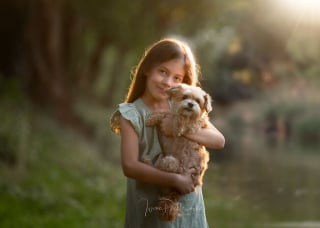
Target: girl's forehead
[[173, 63]]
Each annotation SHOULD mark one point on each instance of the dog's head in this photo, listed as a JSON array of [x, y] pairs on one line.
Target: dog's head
[[189, 101]]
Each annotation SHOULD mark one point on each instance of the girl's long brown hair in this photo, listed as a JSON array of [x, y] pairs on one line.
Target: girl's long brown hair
[[162, 51]]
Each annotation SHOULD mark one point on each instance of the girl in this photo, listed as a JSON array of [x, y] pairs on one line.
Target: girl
[[166, 63]]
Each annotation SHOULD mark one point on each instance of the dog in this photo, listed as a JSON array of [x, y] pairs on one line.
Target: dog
[[189, 110]]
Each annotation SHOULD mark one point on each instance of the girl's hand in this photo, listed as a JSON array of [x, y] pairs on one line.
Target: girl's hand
[[184, 182]]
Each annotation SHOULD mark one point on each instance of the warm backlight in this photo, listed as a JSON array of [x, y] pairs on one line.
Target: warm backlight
[[306, 11]]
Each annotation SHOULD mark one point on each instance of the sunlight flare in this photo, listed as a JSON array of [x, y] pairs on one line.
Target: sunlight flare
[[306, 11]]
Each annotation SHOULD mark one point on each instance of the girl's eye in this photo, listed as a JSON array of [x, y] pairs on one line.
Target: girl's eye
[[177, 79], [163, 72]]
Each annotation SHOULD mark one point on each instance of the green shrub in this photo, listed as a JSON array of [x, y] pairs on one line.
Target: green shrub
[[14, 127], [308, 129]]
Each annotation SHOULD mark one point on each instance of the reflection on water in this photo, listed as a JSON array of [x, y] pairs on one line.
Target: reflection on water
[[279, 186]]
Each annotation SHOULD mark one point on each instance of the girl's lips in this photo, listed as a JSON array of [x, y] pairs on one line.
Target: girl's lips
[[163, 91]]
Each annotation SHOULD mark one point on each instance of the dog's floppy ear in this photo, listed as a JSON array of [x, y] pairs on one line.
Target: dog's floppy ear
[[174, 90], [207, 103]]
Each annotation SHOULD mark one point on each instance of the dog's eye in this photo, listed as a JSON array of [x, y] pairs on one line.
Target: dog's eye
[[198, 101], [185, 97]]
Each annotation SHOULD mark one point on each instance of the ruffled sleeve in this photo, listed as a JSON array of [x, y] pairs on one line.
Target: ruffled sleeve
[[129, 112]]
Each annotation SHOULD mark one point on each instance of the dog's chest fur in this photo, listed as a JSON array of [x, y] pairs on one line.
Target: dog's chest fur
[[189, 153]]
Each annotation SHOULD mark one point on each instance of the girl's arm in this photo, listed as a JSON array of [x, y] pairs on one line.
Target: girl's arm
[[133, 168], [210, 137]]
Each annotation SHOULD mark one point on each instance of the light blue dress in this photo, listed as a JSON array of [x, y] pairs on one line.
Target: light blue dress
[[141, 209]]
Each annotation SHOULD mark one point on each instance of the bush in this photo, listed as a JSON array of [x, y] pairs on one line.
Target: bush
[[308, 129], [57, 179], [14, 127]]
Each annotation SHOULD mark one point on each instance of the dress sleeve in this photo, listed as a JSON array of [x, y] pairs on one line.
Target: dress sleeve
[[129, 112]]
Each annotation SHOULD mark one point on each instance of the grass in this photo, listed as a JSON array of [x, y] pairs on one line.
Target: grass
[[65, 184]]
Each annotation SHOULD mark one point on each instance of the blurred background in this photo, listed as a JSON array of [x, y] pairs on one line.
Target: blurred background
[[65, 65]]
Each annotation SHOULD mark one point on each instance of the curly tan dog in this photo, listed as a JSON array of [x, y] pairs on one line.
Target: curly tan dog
[[189, 110]]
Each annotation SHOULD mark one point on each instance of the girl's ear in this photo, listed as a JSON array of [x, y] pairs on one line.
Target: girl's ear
[[207, 103], [174, 90]]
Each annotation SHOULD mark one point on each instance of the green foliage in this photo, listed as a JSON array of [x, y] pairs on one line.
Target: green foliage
[[301, 116], [230, 72], [308, 129], [57, 179], [65, 184], [287, 109], [302, 51], [14, 129]]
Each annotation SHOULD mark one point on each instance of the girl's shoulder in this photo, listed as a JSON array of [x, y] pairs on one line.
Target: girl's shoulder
[[133, 112]]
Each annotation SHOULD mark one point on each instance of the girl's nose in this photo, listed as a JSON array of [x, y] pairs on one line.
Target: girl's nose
[[168, 81]]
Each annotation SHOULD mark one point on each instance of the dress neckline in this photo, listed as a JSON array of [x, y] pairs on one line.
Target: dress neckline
[[146, 106]]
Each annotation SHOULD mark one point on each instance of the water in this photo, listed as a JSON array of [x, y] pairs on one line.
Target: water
[[279, 186]]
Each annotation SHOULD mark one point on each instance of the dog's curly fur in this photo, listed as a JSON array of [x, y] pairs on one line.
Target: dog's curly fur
[[189, 110]]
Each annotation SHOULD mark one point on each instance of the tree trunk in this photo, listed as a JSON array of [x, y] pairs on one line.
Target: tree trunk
[[46, 63], [115, 77], [88, 78]]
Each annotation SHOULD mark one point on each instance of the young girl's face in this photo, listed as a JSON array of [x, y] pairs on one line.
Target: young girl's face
[[164, 76]]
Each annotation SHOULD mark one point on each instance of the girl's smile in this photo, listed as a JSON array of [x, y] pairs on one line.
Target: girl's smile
[[162, 77]]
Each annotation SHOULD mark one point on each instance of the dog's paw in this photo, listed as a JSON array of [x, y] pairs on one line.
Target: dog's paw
[[150, 121], [167, 126]]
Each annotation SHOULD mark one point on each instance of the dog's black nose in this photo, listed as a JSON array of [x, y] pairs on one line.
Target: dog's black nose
[[190, 105]]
